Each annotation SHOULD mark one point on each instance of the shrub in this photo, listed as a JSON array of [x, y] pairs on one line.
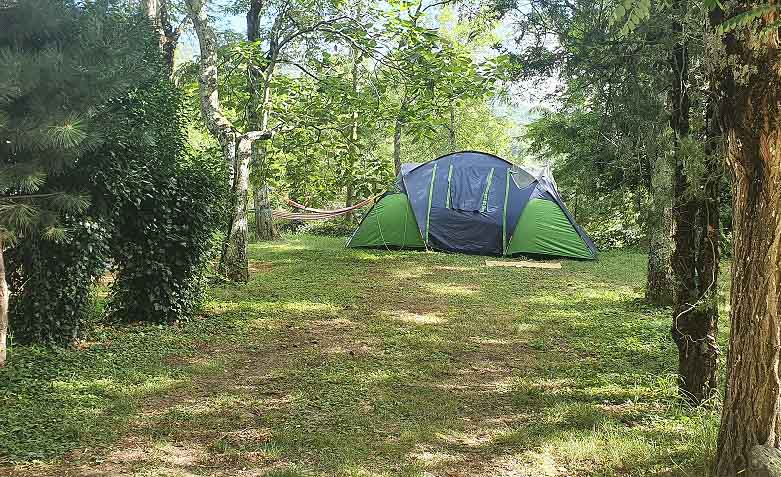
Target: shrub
[[162, 246], [164, 204], [52, 281], [332, 228]]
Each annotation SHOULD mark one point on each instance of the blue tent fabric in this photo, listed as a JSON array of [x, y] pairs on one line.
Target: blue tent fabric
[[471, 201], [467, 201]]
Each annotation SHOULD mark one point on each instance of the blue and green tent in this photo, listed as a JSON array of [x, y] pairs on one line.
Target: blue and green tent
[[473, 202]]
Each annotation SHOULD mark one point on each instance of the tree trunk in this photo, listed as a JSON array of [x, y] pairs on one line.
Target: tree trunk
[[694, 262], [168, 36], [397, 145], [233, 262], [452, 129], [353, 143], [397, 133], [659, 284], [265, 229], [765, 462], [4, 295], [751, 120], [260, 102], [264, 225], [236, 147]]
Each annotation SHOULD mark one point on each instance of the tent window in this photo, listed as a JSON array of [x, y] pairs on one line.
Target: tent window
[[522, 178], [468, 185], [488, 181]]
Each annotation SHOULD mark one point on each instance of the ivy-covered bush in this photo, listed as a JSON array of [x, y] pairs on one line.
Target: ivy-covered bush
[[154, 210], [162, 243], [164, 204], [52, 283]]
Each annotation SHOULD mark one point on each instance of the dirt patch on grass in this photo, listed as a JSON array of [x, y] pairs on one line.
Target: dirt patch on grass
[[257, 266]]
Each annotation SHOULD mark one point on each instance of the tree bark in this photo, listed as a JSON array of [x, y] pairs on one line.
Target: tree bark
[[397, 131], [258, 117], [751, 120], [695, 258], [168, 35], [4, 295], [264, 225], [659, 283], [236, 147], [765, 462], [233, 262]]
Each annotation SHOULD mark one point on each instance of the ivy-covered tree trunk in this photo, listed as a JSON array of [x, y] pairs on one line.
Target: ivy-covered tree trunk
[[659, 283], [168, 35], [694, 262], [4, 292], [751, 121]]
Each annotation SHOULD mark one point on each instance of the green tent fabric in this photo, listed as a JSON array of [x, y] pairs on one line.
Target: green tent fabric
[[544, 229], [390, 223]]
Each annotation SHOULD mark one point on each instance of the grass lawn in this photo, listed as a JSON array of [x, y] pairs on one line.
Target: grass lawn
[[370, 363]]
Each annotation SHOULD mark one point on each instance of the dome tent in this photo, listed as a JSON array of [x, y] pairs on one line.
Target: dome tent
[[474, 202]]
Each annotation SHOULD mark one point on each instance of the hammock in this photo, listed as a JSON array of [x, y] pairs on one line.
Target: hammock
[[317, 214], [344, 210]]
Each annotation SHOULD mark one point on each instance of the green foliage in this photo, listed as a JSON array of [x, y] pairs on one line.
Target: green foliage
[[152, 208], [164, 206], [388, 65], [743, 20], [52, 283], [632, 13], [80, 134], [603, 182], [330, 228], [62, 61]]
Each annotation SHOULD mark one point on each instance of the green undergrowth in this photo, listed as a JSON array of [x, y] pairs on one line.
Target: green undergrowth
[[346, 362]]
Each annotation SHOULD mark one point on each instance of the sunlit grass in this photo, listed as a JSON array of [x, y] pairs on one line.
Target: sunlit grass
[[342, 362]]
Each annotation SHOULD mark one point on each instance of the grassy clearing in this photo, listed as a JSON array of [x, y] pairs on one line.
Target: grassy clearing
[[370, 363]]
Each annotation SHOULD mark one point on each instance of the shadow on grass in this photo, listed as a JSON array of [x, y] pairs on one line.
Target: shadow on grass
[[358, 362]]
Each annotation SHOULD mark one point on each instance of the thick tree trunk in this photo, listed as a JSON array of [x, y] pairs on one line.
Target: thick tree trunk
[[233, 262], [694, 262], [751, 118], [659, 283], [4, 295], [264, 225]]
